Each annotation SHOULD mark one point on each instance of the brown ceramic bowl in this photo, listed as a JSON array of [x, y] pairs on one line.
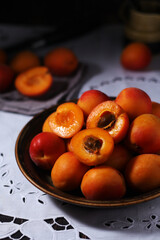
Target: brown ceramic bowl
[[42, 180]]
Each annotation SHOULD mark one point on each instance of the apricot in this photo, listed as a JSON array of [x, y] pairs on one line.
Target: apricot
[[67, 120], [6, 77], [111, 117], [61, 61], [23, 61], [92, 146], [119, 157], [103, 183], [156, 109], [144, 134], [45, 148], [136, 56], [134, 101], [90, 99], [67, 172], [34, 82], [142, 172], [45, 126]]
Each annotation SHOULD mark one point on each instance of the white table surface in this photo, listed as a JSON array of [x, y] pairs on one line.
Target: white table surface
[[35, 215]]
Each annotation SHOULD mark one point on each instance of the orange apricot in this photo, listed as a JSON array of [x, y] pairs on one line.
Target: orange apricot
[[92, 146], [156, 109], [90, 99], [111, 117], [45, 126], [144, 134], [142, 173], [67, 120], [136, 56], [67, 172], [119, 157], [134, 101], [103, 183], [23, 61], [34, 82], [61, 61]]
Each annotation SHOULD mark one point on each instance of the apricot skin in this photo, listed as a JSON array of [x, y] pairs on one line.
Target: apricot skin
[[67, 172], [119, 157], [90, 99], [144, 134], [103, 183], [134, 101], [142, 172], [156, 109]]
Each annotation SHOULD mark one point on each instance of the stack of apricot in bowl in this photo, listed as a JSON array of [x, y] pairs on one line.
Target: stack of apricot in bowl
[[105, 147]]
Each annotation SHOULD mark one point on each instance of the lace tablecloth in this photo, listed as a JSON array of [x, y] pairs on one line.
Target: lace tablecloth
[[28, 213]]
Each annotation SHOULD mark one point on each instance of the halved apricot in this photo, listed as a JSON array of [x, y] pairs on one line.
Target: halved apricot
[[111, 117], [45, 126], [92, 146], [34, 82], [67, 120]]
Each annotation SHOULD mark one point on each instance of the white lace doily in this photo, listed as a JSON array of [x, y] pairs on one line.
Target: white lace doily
[[28, 213]]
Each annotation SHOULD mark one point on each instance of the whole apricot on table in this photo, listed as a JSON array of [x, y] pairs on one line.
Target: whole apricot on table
[[119, 157], [67, 172], [110, 116], [144, 134], [34, 82], [142, 173], [103, 183], [92, 146], [156, 109], [67, 120], [134, 101], [61, 61], [90, 99], [23, 61], [6, 77], [3, 57], [45, 148], [136, 56]]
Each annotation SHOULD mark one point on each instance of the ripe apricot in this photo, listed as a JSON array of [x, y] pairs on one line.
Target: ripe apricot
[[136, 56], [90, 99], [45, 126], [103, 183], [134, 101], [92, 146], [111, 117], [67, 120], [45, 148], [34, 82], [119, 157], [23, 61], [61, 61], [142, 172], [156, 109], [144, 134], [67, 172]]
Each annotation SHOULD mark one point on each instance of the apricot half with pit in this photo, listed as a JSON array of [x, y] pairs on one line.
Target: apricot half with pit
[[92, 146], [111, 117]]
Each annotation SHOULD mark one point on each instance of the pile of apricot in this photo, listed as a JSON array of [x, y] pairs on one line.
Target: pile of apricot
[[32, 76], [106, 147]]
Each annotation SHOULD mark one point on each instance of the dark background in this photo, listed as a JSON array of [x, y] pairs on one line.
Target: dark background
[[90, 12]]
